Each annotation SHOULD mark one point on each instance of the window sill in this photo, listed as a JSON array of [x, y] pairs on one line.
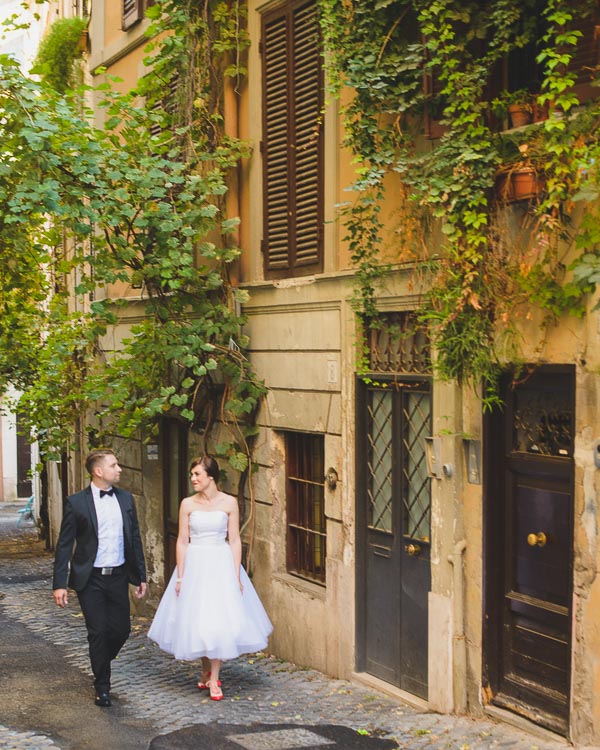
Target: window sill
[[314, 590]]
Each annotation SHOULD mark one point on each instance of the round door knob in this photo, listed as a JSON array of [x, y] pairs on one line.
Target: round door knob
[[413, 549], [537, 540]]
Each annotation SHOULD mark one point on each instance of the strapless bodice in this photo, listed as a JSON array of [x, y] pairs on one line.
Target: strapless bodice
[[208, 527]]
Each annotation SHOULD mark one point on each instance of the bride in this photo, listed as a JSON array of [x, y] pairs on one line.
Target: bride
[[210, 609]]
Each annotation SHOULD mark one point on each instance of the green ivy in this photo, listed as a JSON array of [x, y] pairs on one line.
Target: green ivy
[[479, 280], [59, 52], [141, 201]]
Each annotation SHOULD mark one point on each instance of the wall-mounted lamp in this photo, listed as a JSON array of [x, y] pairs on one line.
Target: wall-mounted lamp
[[331, 478]]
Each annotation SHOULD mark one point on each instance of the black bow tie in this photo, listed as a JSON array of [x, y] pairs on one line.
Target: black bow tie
[[107, 492]]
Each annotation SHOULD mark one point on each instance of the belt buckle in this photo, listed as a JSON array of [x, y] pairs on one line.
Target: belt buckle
[[106, 571]]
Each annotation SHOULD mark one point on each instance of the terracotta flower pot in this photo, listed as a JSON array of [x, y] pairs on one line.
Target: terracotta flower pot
[[520, 114], [525, 184], [518, 185]]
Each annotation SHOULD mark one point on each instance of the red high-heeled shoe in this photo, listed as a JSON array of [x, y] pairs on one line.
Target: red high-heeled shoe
[[214, 696], [204, 685]]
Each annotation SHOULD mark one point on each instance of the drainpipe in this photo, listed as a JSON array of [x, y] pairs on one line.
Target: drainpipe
[[459, 641]]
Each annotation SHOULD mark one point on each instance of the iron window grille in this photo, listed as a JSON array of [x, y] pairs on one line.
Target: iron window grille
[[306, 523]]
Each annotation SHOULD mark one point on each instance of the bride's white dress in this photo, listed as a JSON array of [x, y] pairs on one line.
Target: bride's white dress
[[211, 617]]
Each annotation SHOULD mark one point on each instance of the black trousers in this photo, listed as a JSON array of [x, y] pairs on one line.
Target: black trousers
[[105, 605]]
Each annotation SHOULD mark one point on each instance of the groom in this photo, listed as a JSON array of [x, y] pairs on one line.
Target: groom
[[98, 553]]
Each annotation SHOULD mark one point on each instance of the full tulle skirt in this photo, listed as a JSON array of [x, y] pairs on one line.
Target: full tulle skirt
[[211, 617]]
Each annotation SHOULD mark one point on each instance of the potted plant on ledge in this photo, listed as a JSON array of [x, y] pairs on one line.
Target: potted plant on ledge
[[519, 180], [520, 107]]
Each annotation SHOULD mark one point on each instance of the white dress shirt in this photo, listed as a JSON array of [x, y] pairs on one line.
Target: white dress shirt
[[111, 545]]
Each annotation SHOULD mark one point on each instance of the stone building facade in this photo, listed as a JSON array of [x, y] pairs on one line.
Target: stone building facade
[[399, 535]]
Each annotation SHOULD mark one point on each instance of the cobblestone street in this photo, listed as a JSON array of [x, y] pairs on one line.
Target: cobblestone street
[[157, 702]]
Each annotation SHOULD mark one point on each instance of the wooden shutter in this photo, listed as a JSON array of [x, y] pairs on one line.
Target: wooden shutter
[[133, 11], [292, 141], [167, 103], [587, 58], [275, 143]]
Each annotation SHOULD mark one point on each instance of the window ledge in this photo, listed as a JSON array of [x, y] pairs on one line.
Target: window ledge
[[314, 590]]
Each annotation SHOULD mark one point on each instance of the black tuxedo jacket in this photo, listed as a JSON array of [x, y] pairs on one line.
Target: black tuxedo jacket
[[78, 541]]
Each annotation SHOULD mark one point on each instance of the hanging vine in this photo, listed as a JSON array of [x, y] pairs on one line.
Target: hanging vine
[[142, 202], [478, 281]]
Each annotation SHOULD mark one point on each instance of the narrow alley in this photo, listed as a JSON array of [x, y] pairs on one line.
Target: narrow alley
[[46, 693]]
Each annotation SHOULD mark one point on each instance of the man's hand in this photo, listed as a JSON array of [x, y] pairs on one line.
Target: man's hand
[[140, 590], [60, 597]]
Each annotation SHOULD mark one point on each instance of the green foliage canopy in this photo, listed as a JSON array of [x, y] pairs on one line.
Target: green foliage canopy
[[83, 209], [59, 52], [477, 284]]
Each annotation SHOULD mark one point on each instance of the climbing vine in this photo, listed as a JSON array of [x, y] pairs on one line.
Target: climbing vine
[[138, 203], [477, 277]]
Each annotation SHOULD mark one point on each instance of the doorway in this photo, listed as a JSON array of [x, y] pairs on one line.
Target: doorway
[[175, 484], [394, 533], [528, 527]]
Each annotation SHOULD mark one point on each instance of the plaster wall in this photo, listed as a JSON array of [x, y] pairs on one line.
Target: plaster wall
[[299, 337], [8, 446], [55, 500]]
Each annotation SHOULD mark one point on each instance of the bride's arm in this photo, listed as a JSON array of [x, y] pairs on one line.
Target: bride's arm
[[233, 535], [183, 539]]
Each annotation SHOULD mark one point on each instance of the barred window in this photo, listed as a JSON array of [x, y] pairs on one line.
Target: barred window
[[306, 524]]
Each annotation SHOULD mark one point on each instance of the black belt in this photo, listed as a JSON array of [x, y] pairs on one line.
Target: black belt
[[109, 571]]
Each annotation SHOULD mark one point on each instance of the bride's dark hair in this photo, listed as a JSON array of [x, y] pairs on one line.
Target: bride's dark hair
[[211, 467]]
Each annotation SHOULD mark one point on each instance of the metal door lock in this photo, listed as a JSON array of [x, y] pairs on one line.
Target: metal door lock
[[537, 540]]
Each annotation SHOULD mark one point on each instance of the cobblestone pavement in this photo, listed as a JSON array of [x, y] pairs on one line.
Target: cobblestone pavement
[[261, 689]]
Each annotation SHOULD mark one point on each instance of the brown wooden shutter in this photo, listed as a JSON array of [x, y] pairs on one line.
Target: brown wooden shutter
[[586, 59], [167, 103], [275, 138], [292, 141], [133, 11], [308, 137]]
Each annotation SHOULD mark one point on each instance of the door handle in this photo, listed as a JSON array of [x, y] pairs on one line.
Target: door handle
[[537, 540], [414, 550]]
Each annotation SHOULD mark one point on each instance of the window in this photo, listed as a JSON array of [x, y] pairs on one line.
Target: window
[[164, 107], [520, 73], [306, 534], [292, 141], [80, 8], [133, 11]]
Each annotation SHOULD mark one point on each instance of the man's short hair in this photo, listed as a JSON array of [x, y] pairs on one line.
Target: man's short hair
[[95, 457]]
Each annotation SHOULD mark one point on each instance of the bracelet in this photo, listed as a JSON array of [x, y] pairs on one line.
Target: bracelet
[[178, 580]]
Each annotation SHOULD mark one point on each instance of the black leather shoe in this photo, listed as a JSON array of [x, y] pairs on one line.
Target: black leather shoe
[[103, 700]]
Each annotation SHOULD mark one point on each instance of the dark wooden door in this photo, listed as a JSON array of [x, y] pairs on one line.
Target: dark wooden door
[[529, 508], [176, 484], [393, 523], [24, 486]]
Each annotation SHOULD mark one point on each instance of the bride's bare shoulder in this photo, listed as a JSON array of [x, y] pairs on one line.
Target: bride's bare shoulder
[[229, 501]]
